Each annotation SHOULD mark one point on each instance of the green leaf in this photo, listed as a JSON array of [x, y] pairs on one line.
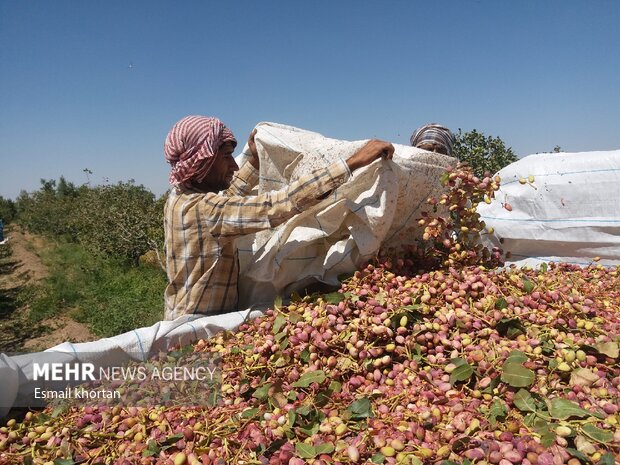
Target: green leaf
[[304, 356], [325, 448], [278, 323], [262, 392], [249, 413], [277, 302], [608, 348], [462, 372], [377, 458], [413, 309], [517, 356], [607, 459], [60, 409], [322, 398], [528, 286], [360, 409], [583, 377], [562, 409], [305, 451], [579, 455], [333, 297], [597, 434], [544, 267], [172, 439], [501, 303], [307, 379], [516, 375], [335, 386], [530, 419], [292, 416], [42, 418], [547, 436], [510, 327], [496, 411], [305, 410], [524, 401], [309, 429], [152, 448]]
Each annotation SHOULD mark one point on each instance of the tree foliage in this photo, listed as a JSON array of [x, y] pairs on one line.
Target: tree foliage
[[120, 220], [7, 210], [482, 153]]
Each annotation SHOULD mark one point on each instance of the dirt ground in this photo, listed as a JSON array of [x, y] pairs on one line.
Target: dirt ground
[[22, 268]]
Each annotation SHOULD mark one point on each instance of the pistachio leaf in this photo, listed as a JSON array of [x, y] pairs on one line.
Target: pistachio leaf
[[462, 372], [307, 379], [582, 377], [278, 323], [496, 411], [517, 356], [524, 401], [608, 348], [325, 448], [510, 327], [249, 413], [563, 409], [516, 375], [305, 451], [360, 409], [597, 434], [377, 458], [547, 434], [262, 392], [577, 454], [607, 459], [334, 297]]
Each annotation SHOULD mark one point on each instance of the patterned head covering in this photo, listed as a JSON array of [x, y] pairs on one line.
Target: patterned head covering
[[191, 147], [433, 133]]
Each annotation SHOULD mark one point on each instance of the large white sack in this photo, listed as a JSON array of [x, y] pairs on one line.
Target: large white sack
[[378, 207], [16, 372], [570, 213]]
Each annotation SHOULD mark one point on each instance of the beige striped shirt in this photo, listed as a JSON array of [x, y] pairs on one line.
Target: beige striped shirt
[[202, 228]]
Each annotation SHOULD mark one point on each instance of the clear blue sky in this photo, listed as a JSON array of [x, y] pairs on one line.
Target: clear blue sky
[[98, 84]]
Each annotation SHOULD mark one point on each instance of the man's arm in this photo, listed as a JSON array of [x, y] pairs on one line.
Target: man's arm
[[247, 177], [231, 216]]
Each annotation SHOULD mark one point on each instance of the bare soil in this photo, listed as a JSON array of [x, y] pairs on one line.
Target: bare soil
[[22, 268]]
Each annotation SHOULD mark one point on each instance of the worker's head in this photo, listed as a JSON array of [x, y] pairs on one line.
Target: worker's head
[[199, 149], [434, 138]]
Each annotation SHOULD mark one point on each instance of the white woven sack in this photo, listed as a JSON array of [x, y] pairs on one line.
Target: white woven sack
[[570, 213], [378, 207]]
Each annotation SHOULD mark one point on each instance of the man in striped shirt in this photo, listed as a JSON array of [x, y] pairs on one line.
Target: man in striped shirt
[[210, 206]]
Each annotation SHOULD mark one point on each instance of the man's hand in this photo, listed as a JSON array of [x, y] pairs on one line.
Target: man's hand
[[253, 159], [369, 153]]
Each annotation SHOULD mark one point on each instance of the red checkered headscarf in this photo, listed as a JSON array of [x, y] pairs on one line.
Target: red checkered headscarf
[[191, 147]]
